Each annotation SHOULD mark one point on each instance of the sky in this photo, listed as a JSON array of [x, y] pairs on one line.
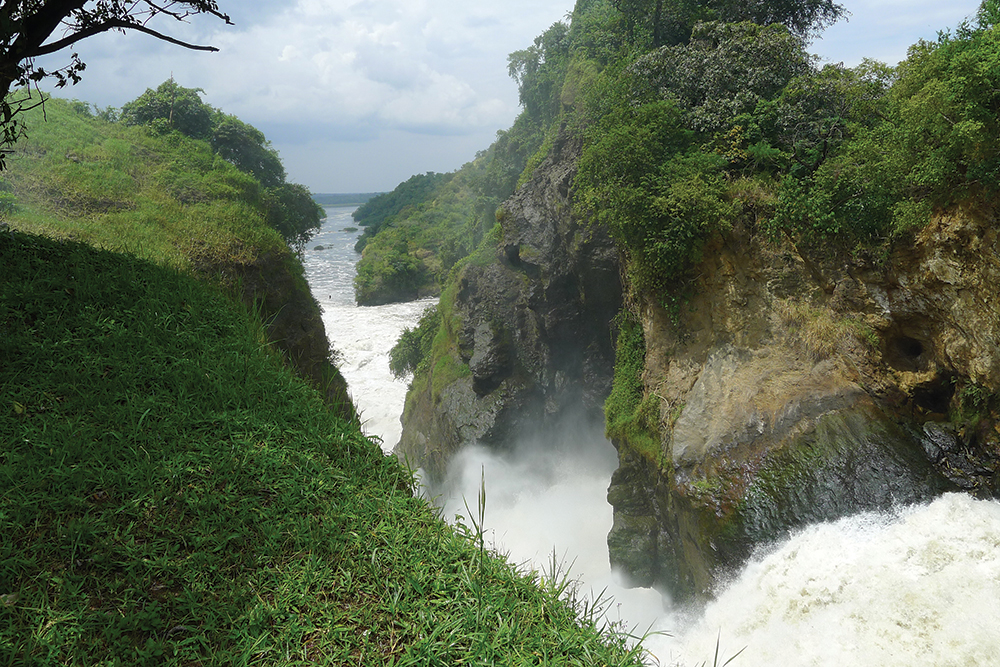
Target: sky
[[358, 95]]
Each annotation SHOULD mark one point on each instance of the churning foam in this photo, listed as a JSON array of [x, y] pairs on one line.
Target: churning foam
[[920, 587]]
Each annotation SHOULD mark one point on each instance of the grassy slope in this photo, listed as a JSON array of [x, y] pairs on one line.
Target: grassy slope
[[168, 199], [170, 493]]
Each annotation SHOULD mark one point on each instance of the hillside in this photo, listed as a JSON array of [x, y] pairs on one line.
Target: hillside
[[169, 198], [170, 491]]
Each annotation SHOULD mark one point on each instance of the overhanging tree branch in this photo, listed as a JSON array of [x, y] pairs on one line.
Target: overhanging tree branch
[[26, 26], [113, 25]]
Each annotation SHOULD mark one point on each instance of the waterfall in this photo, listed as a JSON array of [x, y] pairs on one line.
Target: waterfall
[[916, 587]]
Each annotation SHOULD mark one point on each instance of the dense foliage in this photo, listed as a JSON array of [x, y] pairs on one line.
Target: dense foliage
[[655, 23], [937, 143], [290, 208], [738, 123], [171, 107], [424, 227], [670, 132], [381, 208], [414, 345]]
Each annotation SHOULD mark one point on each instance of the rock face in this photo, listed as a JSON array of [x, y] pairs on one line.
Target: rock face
[[798, 386], [527, 328]]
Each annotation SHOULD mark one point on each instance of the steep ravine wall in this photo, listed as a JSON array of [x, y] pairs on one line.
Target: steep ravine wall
[[801, 385], [273, 284], [525, 340], [796, 384]]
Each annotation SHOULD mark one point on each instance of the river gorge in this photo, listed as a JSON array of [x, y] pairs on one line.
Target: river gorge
[[917, 584]]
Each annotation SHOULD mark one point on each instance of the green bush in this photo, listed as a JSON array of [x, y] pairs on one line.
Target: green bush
[[936, 143], [632, 419], [414, 345]]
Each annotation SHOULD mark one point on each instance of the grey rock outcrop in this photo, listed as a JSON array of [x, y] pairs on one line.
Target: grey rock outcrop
[[800, 386], [528, 328]]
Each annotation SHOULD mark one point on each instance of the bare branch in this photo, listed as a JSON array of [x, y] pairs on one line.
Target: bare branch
[[180, 16], [113, 24]]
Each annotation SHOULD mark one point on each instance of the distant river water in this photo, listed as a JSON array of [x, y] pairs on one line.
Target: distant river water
[[919, 587]]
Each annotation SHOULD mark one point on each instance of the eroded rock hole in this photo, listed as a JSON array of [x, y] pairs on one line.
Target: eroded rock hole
[[905, 353], [935, 396], [909, 348]]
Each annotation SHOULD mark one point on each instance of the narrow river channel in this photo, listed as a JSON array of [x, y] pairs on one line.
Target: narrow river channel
[[917, 587]]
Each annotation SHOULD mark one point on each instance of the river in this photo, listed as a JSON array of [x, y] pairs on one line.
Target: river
[[916, 587], [362, 335]]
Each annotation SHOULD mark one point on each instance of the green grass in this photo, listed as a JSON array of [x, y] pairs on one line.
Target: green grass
[[171, 494], [164, 198]]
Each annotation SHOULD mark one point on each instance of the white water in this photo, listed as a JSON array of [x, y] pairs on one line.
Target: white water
[[363, 335], [919, 588]]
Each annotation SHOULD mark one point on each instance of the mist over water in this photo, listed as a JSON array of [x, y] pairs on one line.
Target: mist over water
[[917, 587], [548, 499]]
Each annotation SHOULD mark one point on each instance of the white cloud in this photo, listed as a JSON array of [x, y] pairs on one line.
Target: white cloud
[[885, 29], [436, 64]]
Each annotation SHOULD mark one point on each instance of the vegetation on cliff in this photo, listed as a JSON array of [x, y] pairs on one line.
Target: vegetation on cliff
[[288, 207], [701, 122], [415, 234], [737, 122]]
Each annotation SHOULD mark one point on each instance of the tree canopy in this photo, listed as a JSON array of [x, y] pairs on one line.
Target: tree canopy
[[667, 22], [177, 107], [27, 28], [172, 108]]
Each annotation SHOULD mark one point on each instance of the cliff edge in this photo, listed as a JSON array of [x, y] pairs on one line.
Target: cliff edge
[[801, 385], [524, 340]]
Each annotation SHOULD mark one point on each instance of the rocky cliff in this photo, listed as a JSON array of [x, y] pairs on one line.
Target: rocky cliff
[[802, 384], [525, 338], [797, 383]]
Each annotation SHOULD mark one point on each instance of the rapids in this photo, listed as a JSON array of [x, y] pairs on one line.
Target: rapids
[[916, 587], [362, 335]]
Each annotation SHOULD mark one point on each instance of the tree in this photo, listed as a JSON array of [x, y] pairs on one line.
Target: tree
[[726, 69], [669, 22], [539, 71], [27, 28], [177, 107], [246, 147], [292, 211]]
